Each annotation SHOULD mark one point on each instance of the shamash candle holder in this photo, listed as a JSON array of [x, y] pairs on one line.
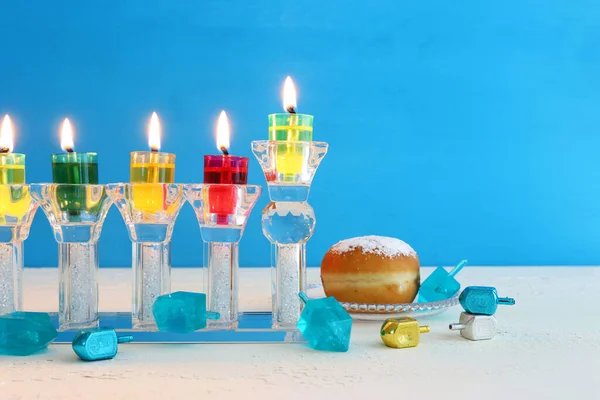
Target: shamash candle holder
[[288, 220]]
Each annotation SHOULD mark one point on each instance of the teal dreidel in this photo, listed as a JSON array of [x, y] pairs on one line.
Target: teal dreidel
[[325, 324], [482, 300], [23, 333], [441, 284], [98, 344], [182, 312]]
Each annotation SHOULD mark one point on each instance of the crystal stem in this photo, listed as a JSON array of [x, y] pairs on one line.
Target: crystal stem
[[11, 269], [289, 280], [77, 285], [151, 278], [222, 284]]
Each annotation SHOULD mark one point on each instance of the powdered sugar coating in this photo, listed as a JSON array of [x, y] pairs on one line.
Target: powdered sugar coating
[[380, 245]]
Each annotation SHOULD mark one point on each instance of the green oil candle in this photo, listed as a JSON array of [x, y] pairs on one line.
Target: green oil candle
[[74, 169]]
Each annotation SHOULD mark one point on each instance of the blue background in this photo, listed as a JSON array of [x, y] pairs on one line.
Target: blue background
[[469, 129]]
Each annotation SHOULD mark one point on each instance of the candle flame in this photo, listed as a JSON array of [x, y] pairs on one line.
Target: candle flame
[[289, 94], [66, 136], [223, 132], [6, 134], [154, 133]]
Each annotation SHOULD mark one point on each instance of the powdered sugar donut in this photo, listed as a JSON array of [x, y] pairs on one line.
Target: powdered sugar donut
[[372, 270]]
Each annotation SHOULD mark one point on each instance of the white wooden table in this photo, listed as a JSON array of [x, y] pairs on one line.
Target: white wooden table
[[548, 348]]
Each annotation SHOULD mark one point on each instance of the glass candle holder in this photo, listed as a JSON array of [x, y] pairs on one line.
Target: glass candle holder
[[16, 213], [288, 220], [75, 170], [221, 228], [77, 247], [150, 219]]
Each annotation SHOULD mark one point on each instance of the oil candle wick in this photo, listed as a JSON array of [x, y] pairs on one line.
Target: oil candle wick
[[291, 110], [4, 150], [69, 149], [224, 150]]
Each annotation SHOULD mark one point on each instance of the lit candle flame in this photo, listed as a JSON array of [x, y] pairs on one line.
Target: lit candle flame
[[154, 133], [289, 95], [66, 136], [6, 135], [223, 133]]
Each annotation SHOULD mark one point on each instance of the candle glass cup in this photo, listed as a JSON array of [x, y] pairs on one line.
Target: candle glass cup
[[288, 129], [77, 247], [221, 228], [12, 169], [16, 213], [288, 222], [151, 167], [223, 172], [75, 170], [149, 219]]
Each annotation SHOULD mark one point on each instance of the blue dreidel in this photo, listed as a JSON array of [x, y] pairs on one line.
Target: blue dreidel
[[482, 300], [182, 312], [325, 324], [98, 344], [441, 284]]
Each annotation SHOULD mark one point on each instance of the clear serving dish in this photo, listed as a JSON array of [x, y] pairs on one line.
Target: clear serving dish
[[379, 312]]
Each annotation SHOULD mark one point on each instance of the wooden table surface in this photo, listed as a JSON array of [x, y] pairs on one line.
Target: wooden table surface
[[548, 347]]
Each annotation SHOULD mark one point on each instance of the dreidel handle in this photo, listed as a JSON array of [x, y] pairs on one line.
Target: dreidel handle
[[303, 297], [124, 339], [212, 315], [424, 329], [508, 301], [458, 268], [456, 327]]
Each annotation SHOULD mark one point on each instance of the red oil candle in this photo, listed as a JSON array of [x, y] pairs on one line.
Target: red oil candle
[[224, 169]]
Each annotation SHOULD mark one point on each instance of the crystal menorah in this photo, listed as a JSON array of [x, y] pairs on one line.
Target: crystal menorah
[[288, 220], [76, 213], [17, 210], [222, 211], [149, 211]]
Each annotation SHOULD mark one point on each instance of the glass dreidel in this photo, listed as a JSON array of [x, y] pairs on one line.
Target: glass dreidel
[[98, 344], [76, 213], [149, 211], [182, 312], [482, 300], [288, 220], [222, 211], [403, 332], [441, 284], [475, 327], [17, 210], [325, 324], [25, 333]]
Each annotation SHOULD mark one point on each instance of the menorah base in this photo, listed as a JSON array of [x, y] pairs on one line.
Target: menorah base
[[253, 327]]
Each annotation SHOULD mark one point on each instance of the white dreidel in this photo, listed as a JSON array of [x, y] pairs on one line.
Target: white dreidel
[[476, 327]]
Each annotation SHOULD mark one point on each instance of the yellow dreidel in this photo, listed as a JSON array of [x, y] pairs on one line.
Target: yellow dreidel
[[401, 332]]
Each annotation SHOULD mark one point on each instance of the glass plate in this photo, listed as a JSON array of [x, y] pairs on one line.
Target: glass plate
[[379, 312]]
